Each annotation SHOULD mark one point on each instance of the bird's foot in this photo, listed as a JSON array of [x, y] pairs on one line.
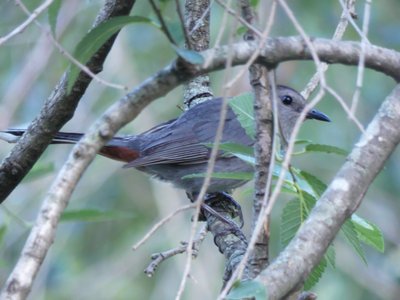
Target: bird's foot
[[222, 202]]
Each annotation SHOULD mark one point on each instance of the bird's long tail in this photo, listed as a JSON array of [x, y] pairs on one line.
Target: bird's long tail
[[118, 148]]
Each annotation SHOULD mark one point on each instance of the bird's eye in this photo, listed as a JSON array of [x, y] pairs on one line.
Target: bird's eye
[[287, 100]]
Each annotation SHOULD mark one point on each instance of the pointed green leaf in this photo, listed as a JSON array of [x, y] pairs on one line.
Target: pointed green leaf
[[290, 221], [248, 289], [331, 256], [315, 274], [93, 215], [54, 8], [96, 38], [292, 217], [325, 148], [351, 235], [245, 153], [242, 106], [316, 185], [190, 56], [368, 233], [302, 142]]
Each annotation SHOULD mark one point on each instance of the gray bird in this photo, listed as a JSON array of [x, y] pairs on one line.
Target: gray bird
[[177, 148]]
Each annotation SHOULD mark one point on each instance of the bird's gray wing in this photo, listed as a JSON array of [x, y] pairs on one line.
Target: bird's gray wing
[[184, 140], [174, 153]]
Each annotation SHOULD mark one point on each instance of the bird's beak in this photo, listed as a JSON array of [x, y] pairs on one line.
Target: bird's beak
[[317, 115]]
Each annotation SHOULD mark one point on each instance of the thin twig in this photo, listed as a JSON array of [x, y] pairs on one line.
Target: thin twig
[[207, 179], [162, 23], [239, 18], [65, 53], [158, 258], [200, 20], [337, 36], [346, 108], [161, 223], [31, 18], [261, 44], [306, 38], [350, 16], [361, 64], [184, 27]]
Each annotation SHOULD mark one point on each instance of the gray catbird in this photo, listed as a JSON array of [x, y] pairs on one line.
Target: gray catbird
[[177, 148]]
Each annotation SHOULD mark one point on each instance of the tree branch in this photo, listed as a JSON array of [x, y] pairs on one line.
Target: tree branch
[[339, 201], [197, 24], [375, 147], [58, 109]]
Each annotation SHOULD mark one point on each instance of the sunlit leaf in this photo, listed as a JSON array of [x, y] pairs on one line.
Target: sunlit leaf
[[368, 233], [242, 105], [249, 289], [93, 215], [92, 41]]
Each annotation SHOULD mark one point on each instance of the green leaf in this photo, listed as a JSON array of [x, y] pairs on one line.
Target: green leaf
[[302, 142], [93, 215], [39, 170], [248, 289], [351, 235], [242, 106], [368, 233], [223, 175], [316, 185], [315, 274], [290, 221], [331, 256], [245, 153], [191, 56], [53, 11], [293, 216], [254, 3], [325, 148], [3, 229], [241, 30], [236, 149], [96, 38]]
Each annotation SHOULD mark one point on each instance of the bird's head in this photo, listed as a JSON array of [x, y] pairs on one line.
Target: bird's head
[[291, 104]]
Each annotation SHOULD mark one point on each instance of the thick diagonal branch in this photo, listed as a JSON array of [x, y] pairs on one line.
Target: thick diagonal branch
[[57, 110], [340, 200]]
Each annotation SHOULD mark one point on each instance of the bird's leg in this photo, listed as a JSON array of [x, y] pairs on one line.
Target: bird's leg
[[221, 199], [225, 196]]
